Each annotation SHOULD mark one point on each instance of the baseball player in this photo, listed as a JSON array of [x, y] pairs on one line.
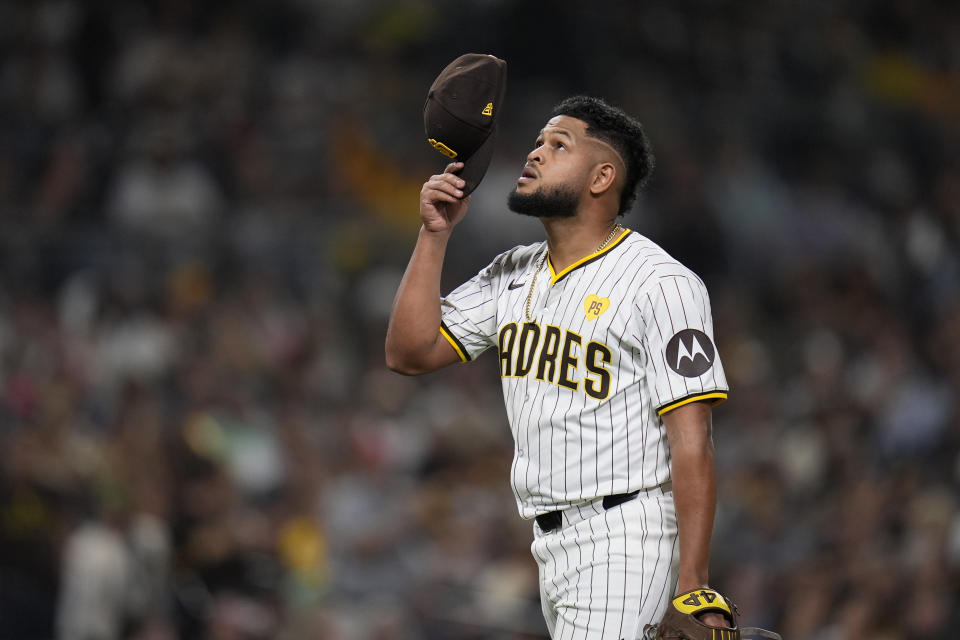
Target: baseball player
[[609, 370]]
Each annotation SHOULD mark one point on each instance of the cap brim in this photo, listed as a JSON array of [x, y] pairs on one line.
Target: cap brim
[[475, 167]]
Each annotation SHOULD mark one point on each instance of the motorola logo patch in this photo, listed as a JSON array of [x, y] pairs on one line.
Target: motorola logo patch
[[690, 353]]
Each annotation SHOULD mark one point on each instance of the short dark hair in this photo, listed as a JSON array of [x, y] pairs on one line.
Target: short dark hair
[[622, 132]]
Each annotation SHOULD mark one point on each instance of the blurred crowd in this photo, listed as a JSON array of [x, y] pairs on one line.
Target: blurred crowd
[[206, 209]]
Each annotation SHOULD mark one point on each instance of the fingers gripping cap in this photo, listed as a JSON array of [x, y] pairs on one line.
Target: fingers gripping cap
[[460, 113]]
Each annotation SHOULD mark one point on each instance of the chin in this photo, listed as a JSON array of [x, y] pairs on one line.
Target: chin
[[542, 202]]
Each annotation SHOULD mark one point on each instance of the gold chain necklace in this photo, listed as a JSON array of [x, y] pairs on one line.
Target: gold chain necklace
[[543, 260]]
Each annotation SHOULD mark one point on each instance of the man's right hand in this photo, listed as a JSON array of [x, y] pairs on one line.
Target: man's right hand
[[442, 204]]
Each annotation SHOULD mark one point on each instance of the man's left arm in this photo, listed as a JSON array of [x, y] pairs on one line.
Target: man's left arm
[[689, 432]]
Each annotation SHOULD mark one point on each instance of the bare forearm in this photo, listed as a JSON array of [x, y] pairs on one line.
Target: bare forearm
[[414, 326], [695, 495], [690, 433], [413, 343]]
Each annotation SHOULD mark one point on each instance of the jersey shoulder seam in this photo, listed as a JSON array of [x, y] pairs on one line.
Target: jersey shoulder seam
[[642, 294]]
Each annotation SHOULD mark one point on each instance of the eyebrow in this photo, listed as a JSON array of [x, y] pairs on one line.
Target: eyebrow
[[557, 132]]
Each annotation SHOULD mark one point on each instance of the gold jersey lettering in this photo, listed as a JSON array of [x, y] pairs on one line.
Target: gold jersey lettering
[[556, 356]]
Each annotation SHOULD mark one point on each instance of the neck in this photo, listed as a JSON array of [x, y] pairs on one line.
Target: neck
[[570, 239]]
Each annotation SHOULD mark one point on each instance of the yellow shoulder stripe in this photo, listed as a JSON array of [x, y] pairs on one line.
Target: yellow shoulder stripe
[[716, 396]]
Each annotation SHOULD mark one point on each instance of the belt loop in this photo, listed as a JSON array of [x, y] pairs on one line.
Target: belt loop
[[549, 521], [610, 502]]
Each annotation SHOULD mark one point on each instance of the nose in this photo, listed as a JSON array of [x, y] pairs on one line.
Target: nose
[[535, 156]]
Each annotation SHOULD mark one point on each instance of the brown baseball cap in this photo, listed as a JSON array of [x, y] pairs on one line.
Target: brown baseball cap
[[460, 114]]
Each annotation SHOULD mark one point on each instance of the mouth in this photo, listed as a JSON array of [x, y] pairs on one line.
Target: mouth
[[528, 175]]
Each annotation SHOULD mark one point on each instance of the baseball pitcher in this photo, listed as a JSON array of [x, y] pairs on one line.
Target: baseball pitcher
[[607, 359]]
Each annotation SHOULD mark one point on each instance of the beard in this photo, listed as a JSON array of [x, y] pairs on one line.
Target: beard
[[545, 202]]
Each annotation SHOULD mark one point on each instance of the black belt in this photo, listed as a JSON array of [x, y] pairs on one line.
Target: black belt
[[550, 521]]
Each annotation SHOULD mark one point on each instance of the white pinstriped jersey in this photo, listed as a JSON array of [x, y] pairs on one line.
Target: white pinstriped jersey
[[617, 339]]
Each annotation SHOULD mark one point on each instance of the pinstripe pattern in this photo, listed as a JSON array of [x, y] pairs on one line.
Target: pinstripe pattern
[[571, 447], [577, 440], [611, 572]]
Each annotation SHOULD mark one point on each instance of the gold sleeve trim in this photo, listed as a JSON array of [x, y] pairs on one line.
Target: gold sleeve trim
[[716, 396], [455, 344]]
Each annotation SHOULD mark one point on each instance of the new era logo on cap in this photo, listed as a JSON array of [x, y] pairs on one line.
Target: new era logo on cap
[[460, 112]]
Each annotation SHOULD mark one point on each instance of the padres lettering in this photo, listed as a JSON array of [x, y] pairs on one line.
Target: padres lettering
[[554, 355]]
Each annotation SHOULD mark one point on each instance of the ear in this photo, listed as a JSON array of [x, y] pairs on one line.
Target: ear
[[603, 178]]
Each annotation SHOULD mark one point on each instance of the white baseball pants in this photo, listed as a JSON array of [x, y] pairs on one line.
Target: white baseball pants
[[604, 574]]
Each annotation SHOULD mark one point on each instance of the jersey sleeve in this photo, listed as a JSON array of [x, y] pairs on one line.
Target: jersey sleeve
[[682, 363], [469, 314]]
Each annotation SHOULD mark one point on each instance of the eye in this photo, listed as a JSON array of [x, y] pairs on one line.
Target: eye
[[559, 145]]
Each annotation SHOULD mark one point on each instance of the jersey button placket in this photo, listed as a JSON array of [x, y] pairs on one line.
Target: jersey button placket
[[551, 299], [536, 303], [540, 300]]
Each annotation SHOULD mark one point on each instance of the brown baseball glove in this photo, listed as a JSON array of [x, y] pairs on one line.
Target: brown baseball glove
[[682, 620]]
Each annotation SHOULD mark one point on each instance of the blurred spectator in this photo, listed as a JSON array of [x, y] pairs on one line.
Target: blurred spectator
[[159, 192]]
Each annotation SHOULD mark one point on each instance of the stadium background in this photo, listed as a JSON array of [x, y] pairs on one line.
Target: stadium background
[[206, 207]]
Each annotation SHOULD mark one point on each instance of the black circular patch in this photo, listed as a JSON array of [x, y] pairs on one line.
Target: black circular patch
[[690, 353]]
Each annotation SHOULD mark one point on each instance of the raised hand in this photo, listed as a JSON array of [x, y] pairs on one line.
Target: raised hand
[[442, 204]]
